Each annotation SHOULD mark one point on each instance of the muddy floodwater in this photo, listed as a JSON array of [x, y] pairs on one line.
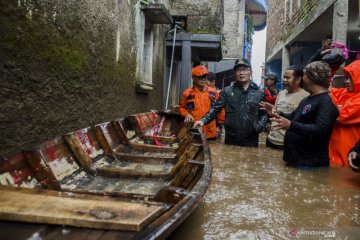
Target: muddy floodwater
[[253, 195]]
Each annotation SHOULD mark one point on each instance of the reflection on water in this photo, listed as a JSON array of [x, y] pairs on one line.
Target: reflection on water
[[253, 195]]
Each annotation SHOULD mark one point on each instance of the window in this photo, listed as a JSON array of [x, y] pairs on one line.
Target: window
[[145, 55], [147, 15]]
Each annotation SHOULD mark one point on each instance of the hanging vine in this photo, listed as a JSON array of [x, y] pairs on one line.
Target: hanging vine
[[250, 25]]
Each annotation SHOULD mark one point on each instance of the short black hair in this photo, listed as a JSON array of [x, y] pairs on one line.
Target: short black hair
[[298, 71], [211, 76], [328, 36]]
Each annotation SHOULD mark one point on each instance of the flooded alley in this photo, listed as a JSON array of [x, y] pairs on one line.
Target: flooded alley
[[110, 111], [253, 195]]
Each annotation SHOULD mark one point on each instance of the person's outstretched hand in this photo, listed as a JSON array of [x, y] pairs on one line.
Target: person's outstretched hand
[[351, 158], [189, 118], [198, 124], [282, 123], [268, 107]]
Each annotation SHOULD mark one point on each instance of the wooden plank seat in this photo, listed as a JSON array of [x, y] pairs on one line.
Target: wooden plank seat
[[109, 139], [126, 133], [93, 156], [15, 171], [111, 142], [56, 168], [155, 129], [111, 134], [131, 131], [75, 210]]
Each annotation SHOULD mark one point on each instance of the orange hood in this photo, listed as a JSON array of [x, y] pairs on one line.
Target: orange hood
[[354, 71]]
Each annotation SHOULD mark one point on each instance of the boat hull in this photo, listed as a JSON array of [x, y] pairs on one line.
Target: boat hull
[[136, 177]]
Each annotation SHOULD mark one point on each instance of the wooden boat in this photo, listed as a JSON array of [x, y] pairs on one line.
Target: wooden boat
[[136, 177]]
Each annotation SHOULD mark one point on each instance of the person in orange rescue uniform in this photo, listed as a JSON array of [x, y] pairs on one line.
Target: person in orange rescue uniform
[[347, 127], [196, 101]]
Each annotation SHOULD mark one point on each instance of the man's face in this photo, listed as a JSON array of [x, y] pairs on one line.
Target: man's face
[[290, 82], [243, 74], [326, 44], [349, 84], [210, 83], [199, 82]]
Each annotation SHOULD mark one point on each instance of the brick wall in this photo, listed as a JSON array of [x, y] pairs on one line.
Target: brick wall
[[283, 16], [275, 23]]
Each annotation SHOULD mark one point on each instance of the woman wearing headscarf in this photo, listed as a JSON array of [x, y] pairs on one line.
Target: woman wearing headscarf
[[347, 127], [309, 126]]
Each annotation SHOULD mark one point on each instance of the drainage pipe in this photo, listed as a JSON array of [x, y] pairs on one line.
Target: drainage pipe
[[171, 64]]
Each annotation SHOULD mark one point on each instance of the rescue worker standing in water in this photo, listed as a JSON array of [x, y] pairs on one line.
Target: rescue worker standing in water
[[196, 101], [244, 120], [347, 127]]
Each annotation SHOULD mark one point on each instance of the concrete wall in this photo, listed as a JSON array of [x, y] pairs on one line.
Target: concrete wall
[[66, 65], [224, 17], [202, 16], [301, 57], [233, 29]]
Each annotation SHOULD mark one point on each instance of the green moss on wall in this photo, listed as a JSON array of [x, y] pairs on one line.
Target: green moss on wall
[[68, 53], [35, 36]]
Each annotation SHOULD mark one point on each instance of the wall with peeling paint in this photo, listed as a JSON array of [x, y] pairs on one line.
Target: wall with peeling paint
[[66, 65]]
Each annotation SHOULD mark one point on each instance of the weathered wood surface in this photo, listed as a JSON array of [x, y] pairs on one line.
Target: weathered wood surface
[[15, 171], [56, 168], [52, 162], [122, 131], [179, 189], [80, 212], [137, 170], [161, 139], [85, 147], [107, 137], [140, 157], [93, 148], [152, 148]]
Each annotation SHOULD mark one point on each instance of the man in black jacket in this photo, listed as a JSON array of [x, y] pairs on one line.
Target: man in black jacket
[[244, 120]]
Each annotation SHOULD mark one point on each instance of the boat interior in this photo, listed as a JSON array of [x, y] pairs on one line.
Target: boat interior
[[148, 162]]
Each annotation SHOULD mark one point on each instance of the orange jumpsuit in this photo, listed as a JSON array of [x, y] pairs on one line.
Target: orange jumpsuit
[[198, 103], [346, 131]]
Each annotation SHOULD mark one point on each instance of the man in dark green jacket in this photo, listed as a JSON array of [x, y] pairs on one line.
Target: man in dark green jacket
[[243, 118]]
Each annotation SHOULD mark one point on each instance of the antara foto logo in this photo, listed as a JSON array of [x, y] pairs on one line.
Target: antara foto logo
[[293, 233]]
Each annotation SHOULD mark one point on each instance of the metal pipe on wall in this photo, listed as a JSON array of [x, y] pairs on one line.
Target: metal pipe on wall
[[171, 64]]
